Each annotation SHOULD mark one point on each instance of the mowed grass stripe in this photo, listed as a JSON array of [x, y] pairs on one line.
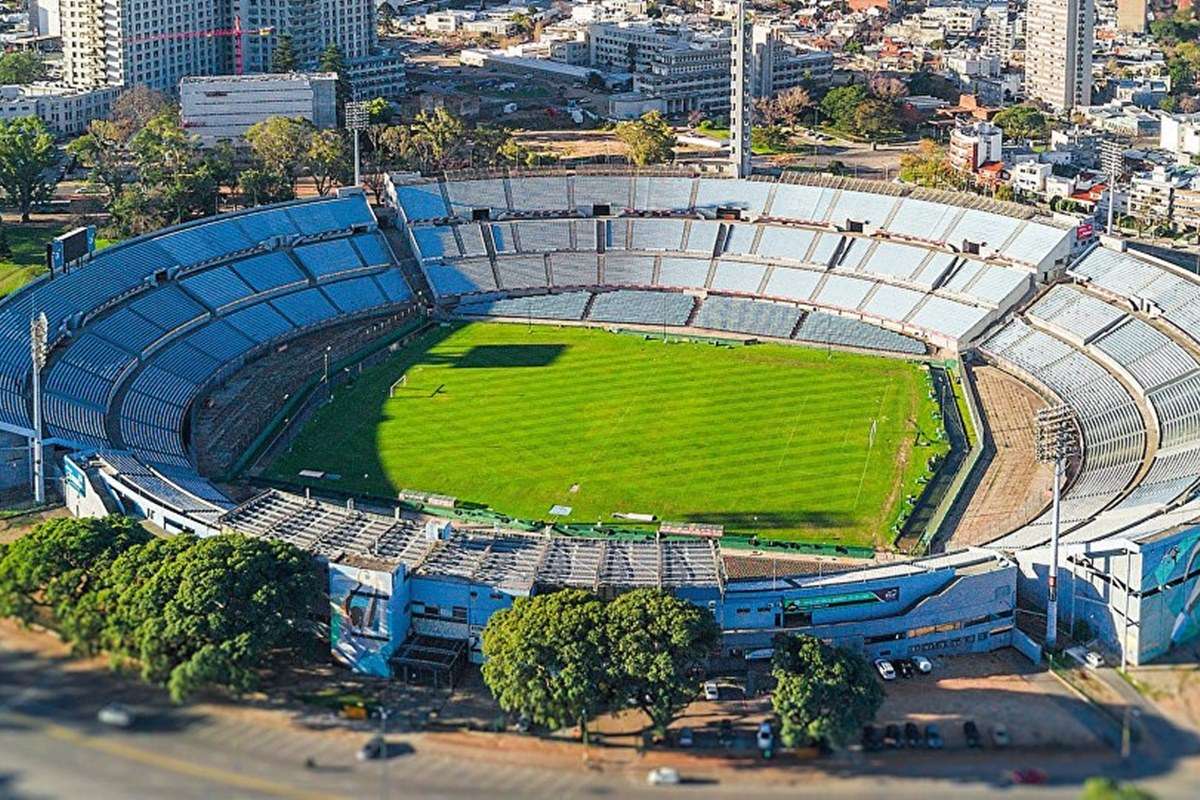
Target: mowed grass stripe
[[768, 439]]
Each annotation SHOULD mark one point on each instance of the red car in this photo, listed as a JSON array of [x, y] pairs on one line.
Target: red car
[[1032, 777]]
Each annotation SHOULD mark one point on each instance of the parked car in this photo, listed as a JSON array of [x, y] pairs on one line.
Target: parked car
[[765, 738], [904, 667], [886, 671], [725, 733], [891, 736], [1094, 659], [1000, 736], [686, 737], [375, 747], [663, 776], [933, 737], [1032, 777], [912, 734], [872, 740], [115, 715], [712, 691], [922, 664], [971, 734]]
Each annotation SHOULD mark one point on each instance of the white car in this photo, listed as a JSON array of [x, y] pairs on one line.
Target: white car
[[663, 776], [765, 737], [885, 669], [115, 715], [1094, 659], [712, 691], [922, 664]]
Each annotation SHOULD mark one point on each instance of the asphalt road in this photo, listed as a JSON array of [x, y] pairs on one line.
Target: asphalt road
[[51, 747]]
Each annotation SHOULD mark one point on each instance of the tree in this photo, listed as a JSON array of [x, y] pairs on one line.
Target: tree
[[1109, 789], [332, 60], [27, 161], [21, 67], [280, 145], [438, 137], [327, 159], [887, 88], [822, 693], [872, 118], [258, 186], [283, 57], [656, 643], [102, 150], [933, 85], [650, 139], [838, 105], [46, 575], [175, 174], [1022, 122], [546, 658], [791, 104], [134, 108], [927, 165], [212, 611], [135, 212]]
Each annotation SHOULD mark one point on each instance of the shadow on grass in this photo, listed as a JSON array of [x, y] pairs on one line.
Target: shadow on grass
[[767, 521], [492, 356]]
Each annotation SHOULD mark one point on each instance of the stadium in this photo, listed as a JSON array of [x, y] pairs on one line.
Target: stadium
[[742, 389]]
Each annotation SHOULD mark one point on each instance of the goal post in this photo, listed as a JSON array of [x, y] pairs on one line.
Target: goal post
[[396, 384]]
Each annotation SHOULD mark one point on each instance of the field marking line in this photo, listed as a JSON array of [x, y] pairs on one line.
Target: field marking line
[[867, 461], [178, 766]]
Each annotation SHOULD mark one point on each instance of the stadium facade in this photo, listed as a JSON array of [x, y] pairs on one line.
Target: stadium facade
[[139, 332]]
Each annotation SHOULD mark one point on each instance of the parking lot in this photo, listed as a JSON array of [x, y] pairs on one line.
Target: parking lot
[[994, 689]]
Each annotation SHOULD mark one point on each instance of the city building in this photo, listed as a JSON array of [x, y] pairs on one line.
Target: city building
[[1152, 193], [972, 146], [65, 110], [1058, 52], [781, 63], [44, 17], [1180, 133], [222, 108]]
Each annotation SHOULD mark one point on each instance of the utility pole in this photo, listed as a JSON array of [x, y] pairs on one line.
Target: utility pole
[[1056, 443], [38, 333]]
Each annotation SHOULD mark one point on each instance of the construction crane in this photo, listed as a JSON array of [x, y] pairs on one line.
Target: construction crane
[[237, 32]]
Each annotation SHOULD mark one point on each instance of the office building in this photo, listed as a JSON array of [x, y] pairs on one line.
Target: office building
[[1058, 52], [222, 108]]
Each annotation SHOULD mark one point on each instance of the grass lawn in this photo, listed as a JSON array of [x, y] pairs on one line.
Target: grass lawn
[[28, 245], [768, 439]]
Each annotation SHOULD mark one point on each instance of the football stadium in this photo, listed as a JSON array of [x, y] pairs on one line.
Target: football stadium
[[808, 404]]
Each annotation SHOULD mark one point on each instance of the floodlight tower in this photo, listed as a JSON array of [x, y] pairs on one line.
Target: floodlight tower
[[740, 107], [1056, 443], [38, 329], [356, 121]]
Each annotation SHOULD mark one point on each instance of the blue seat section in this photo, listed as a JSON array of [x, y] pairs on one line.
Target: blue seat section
[[355, 294], [568, 305], [461, 277], [97, 355], [154, 382], [206, 241], [76, 383], [747, 316], [191, 483], [269, 271], [180, 358], [74, 421], [373, 249], [129, 330], [393, 285], [305, 307], [436, 242], [263, 224], [326, 216], [220, 340], [167, 307], [830, 329], [645, 308], [217, 287], [260, 322], [422, 201], [329, 258]]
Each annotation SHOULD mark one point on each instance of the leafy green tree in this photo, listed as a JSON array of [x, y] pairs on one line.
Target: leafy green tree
[[327, 160], [174, 172], [650, 139], [213, 611], [283, 57], [439, 138], [546, 658], [839, 104], [135, 211], [1022, 122], [656, 644], [1109, 789], [822, 693], [27, 160], [46, 575], [280, 145], [102, 150], [21, 67], [873, 118], [259, 185], [926, 165]]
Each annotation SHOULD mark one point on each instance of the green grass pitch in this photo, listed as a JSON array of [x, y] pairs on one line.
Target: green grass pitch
[[767, 439]]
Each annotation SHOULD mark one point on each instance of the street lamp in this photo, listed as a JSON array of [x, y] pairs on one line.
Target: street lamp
[[357, 117], [1056, 443]]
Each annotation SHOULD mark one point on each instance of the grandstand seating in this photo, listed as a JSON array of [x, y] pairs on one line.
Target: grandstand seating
[[829, 329], [747, 316], [567, 305], [642, 308]]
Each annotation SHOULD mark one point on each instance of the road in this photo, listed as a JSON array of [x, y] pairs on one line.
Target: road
[[51, 747]]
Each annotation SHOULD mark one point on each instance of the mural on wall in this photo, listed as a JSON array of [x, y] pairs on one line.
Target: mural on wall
[[1183, 599], [364, 631]]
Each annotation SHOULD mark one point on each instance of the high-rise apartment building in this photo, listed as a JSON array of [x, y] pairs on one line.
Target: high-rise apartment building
[[1058, 52]]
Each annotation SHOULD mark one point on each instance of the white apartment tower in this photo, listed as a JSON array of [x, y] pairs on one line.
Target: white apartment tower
[[1058, 52], [158, 42], [741, 88]]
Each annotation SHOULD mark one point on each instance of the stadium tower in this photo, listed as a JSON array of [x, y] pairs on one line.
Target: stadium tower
[[740, 108]]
